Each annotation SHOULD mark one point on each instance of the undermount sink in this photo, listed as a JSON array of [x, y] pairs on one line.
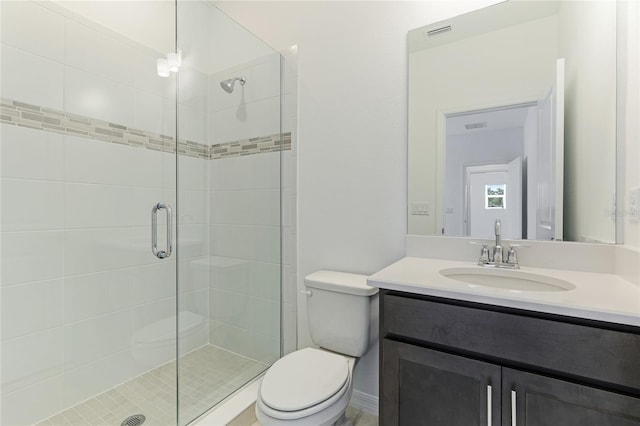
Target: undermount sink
[[507, 279]]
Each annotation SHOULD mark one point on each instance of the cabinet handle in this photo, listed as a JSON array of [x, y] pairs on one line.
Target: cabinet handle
[[513, 408], [488, 405]]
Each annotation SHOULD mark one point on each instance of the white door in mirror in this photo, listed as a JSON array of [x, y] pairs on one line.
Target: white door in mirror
[[495, 192]]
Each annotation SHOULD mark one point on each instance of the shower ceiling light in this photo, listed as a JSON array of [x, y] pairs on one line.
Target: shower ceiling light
[[174, 59], [172, 63], [162, 67]]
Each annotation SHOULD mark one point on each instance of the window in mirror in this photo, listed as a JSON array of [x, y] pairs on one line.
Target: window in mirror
[[495, 197]]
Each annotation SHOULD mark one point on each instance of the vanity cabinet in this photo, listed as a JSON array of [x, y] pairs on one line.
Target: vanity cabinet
[[541, 400], [427, 387], [447, 362]]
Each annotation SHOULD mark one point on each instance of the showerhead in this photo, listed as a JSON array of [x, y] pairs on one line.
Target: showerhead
[[227, 85]]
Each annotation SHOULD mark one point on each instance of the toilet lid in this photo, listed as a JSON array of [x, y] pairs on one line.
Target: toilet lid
[[303, 379]]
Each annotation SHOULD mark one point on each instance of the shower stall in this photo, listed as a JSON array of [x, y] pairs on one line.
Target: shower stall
[[140, 228]]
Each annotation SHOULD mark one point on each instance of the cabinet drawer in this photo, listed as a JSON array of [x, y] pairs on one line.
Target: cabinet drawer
[[570, 350]]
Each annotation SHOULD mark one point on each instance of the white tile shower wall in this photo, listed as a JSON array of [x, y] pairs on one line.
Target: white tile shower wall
[[79, 286], [246, 210], [89, 277], [193, 243], [252, 109], [31, 27], [90, 271], [87, 231], [245, 245], [31, 78], [193, 200]]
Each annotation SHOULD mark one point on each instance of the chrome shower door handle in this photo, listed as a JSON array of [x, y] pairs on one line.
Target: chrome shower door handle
[[161, 254]]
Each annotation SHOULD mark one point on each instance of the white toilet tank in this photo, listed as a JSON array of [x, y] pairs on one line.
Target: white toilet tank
[[342, 311]]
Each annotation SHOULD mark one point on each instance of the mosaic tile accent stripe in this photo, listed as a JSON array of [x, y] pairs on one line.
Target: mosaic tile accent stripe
[[252, 146], [52, 120]]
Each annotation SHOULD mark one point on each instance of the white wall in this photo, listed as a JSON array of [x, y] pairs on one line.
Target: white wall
[[590, 111]]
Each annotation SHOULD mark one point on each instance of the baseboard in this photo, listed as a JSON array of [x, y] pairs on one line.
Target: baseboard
[[365, 402]]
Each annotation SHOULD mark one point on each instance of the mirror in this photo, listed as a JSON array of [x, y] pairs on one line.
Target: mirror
[[512, 116]]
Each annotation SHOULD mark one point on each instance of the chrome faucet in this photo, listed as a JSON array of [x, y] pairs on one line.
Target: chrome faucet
[[494, 257], [497, 250]]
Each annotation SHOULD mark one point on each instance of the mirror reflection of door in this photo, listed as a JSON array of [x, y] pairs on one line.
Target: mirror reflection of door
[[488, 147], [482, 140], [494, 192]]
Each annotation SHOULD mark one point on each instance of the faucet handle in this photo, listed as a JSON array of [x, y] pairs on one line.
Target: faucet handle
[[484, 251], [512, 255], [484, 255]]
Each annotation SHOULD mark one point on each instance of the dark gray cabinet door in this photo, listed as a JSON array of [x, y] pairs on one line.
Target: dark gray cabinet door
[[425, 387], [543, 401]]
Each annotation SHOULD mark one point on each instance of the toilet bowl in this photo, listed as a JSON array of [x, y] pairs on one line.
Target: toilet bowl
[[307, 387], [313, 387]]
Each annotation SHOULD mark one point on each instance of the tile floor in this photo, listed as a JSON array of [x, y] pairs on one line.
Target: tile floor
[[207, 376], [361, 418], [356, 416]]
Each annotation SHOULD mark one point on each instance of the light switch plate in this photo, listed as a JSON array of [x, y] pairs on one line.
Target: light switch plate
[[420, 209]]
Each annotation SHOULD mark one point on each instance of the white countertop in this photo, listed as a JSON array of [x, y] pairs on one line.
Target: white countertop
[[597, 296]]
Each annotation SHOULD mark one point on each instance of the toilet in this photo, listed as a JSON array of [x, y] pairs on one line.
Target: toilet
[[312, 387]]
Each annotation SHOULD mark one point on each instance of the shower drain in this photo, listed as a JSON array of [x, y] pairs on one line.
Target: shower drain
[[135, 420]]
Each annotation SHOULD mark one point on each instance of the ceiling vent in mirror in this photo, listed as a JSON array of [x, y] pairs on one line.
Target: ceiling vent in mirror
[[437, 31], [472, 126]]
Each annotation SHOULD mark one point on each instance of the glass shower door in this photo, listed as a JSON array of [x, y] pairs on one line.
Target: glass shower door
[[140, 228], [88, 310], [229, 235]]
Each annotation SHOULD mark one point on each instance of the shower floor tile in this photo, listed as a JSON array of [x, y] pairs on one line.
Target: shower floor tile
[[207, 376]]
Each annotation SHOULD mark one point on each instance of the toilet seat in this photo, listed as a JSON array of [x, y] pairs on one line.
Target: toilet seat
[[293, 415], [303, 383]]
